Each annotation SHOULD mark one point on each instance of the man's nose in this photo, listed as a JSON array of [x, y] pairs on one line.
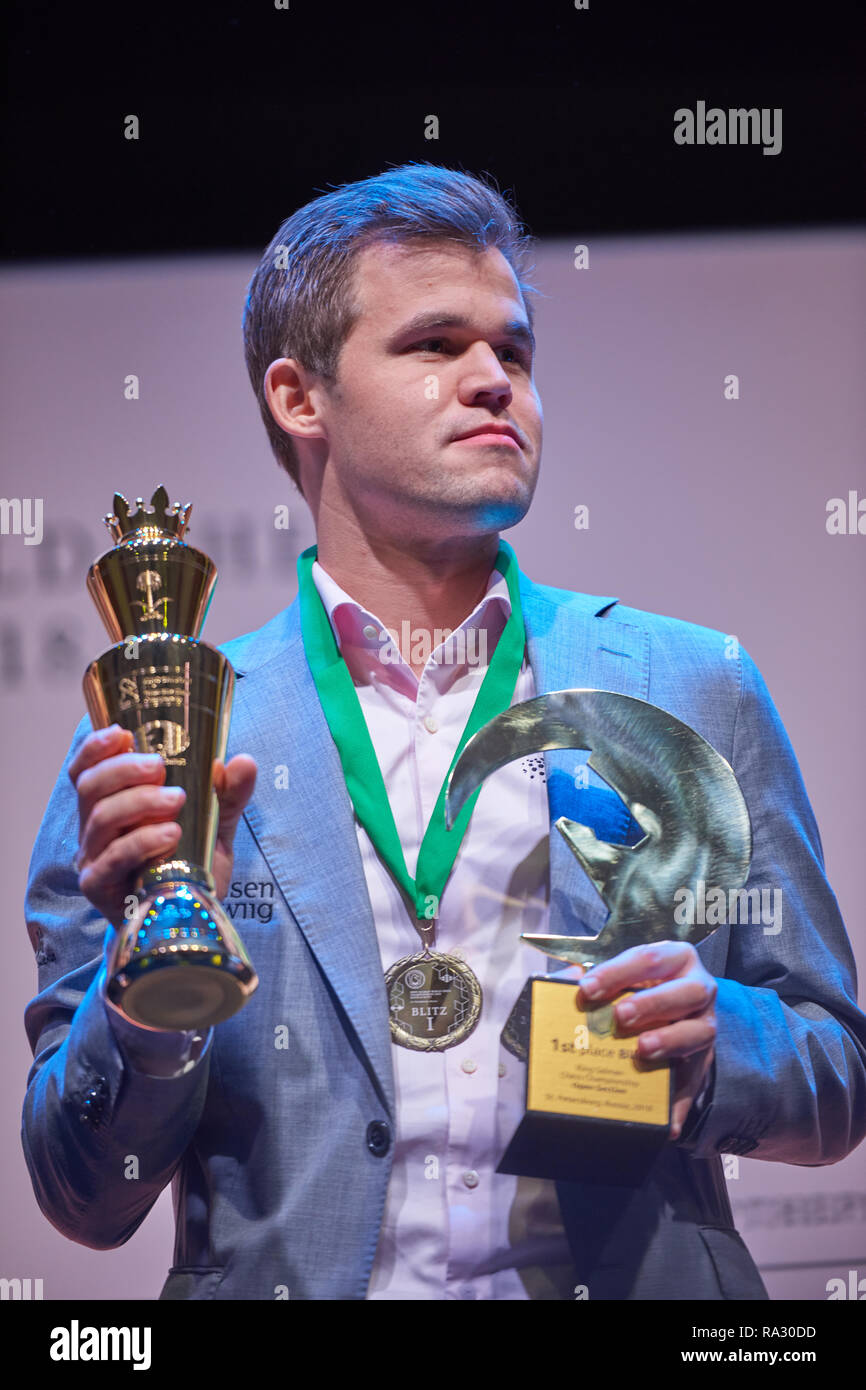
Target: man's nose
[[483, 376]]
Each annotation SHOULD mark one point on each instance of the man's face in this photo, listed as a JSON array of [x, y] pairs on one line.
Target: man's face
[[441, 347]]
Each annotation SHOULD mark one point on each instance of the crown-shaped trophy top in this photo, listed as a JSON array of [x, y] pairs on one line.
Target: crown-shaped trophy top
[[162, 518], [152, 580]]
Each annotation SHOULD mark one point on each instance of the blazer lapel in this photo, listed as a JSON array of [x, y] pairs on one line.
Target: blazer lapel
[[304, 825]]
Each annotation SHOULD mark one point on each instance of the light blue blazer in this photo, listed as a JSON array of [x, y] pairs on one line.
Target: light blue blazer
[[279, 1157]]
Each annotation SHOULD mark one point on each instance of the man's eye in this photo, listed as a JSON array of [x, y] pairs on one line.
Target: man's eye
[[519, 356]]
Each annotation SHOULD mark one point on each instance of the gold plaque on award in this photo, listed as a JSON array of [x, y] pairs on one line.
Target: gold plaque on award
[[178, 962], [583, 1079], [578, 1066]]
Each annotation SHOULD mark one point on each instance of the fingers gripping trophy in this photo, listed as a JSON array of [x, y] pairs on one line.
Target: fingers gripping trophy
[[178, 962]]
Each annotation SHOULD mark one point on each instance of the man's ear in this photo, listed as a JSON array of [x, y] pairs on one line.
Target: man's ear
[[293, 395]]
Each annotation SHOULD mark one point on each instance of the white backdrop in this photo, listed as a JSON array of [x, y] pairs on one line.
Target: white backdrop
[[706, 508]]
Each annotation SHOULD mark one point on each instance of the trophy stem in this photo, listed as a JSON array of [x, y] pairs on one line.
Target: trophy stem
[[172, 870]]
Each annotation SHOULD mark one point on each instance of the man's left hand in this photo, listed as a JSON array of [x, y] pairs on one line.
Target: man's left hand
[[674, 1018]]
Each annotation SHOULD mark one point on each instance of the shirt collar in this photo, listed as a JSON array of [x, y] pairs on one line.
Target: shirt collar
[[363, 640]]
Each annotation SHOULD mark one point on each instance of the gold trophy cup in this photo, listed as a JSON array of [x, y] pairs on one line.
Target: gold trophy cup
[[177, 963]]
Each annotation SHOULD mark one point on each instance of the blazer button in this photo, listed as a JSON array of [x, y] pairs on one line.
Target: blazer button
[[378, 1138], [94, 1103]]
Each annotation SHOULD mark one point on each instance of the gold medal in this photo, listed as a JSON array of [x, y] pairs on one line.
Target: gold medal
[[434, 1001]]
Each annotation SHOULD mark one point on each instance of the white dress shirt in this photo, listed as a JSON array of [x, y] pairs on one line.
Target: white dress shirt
[[453, 1228]]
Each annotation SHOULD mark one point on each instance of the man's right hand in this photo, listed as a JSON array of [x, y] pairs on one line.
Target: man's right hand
[[126, 816]]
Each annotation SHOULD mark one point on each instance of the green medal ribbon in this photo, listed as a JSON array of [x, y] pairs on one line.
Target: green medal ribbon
[[349, 730]]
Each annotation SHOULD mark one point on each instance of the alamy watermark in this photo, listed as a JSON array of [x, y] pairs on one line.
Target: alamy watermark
[[714, 907], [77, 1343], [854, 1287], [846, 517], [21, 1289], [736, 126], [22, 516], [468, 648]]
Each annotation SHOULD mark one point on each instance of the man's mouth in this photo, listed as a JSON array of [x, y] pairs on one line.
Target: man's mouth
[[490, 434]]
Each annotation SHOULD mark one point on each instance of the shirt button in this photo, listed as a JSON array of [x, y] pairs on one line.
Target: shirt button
[[471, 1178], [430, 723], [469, 1066], [467, 1291], [501, 1068], [370, 632]]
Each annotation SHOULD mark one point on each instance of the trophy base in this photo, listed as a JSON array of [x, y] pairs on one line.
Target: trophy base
[[595, 1112], [178, 964], [189, 995], [568, 1148]]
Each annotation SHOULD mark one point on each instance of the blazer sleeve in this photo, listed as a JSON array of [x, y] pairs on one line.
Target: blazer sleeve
[[790, 1057], [101, 1136]]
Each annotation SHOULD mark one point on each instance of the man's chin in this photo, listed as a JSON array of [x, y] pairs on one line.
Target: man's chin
[[497, 509], [507, 494], [499, 515], [459, 509], [483, 513]]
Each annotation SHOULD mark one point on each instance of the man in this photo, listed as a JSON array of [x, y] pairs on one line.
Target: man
[[314, 1151]]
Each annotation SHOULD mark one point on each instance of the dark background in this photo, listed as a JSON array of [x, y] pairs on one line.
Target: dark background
[[245, 111]]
